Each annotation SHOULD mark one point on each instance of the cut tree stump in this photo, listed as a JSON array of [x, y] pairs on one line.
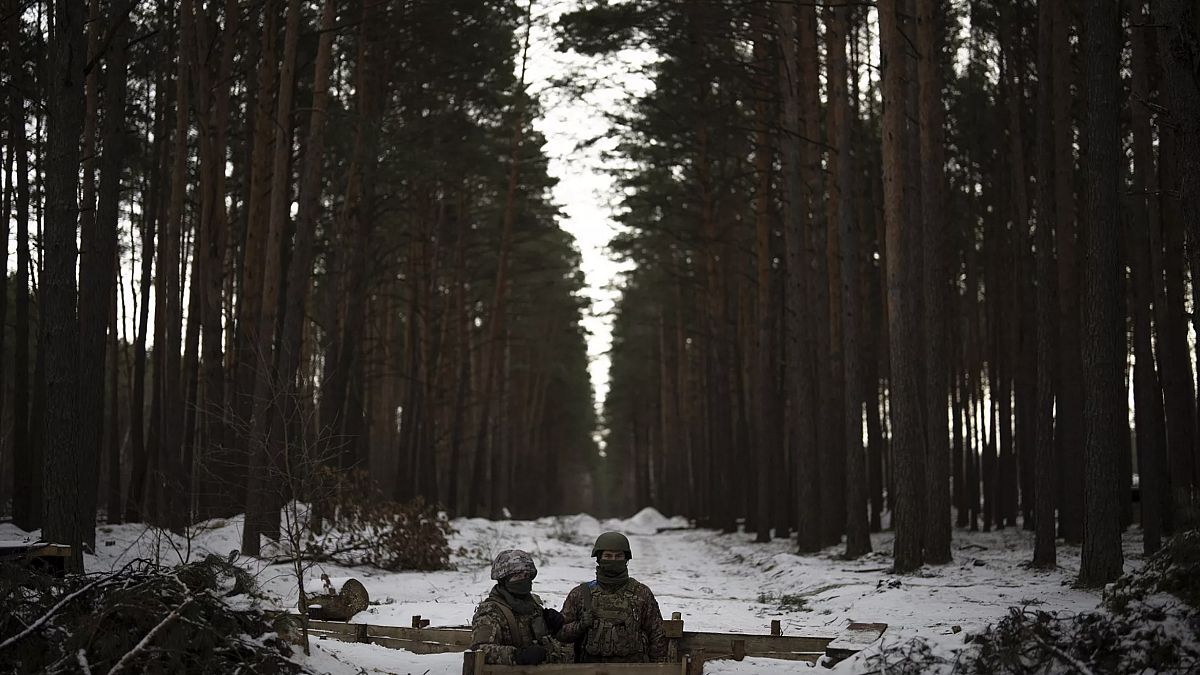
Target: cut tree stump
[[349, 600]]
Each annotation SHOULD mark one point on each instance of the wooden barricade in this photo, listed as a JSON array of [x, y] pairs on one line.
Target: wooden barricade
[[416, 640], [473, 665], [686, 650]]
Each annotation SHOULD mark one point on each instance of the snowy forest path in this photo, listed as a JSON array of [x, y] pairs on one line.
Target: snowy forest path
[[719, 582]]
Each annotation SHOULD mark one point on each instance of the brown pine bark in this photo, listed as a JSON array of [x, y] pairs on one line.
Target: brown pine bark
[[1179, 51], [139, 474], [303, 254], [858, 541], [27, 459], [65, 515], [1148, 395], [903, 319], [218, 467], [496, 320], [1069, 401], [764, 378], [799, 340], [1044, 551], [91, 369], [173, 482], [112, 442], [936, 282], [248, 362], [263, 480], [837, 445], [1104, 344], [98, 258], [1016, 251]]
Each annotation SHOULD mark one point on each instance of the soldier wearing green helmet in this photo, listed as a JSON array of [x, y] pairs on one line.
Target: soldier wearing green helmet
[[614, 618]]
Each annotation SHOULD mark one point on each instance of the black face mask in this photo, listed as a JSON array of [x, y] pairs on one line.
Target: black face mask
[[612, 571], [524, 587]]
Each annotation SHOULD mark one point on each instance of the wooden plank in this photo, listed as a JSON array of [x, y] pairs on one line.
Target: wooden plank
[[722, 643], [332, 626], [449, 636], [414, 646], [853, 639], [585, 669]]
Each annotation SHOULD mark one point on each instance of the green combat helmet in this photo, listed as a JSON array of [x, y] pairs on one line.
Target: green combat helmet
[[612, 541], [512, 561]]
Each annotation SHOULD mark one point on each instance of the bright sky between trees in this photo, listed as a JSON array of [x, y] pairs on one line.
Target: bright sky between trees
[[586, 191]]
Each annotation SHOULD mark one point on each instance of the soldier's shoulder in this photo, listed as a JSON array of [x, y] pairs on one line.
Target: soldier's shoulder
[[640, 589], [579, 589], [489, 608]]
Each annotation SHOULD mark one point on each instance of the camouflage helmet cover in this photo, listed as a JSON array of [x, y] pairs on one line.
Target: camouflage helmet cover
[[612, 541], [512, 561]]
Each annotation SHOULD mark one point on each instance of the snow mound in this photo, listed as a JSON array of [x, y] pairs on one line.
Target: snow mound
[[583, 525], [648, 521]]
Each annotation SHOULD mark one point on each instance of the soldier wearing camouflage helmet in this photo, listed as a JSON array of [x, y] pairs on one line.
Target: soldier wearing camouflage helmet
[[510, 626], [614, 618]]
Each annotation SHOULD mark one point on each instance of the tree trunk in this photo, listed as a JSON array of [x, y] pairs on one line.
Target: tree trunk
[[27, 459], [64, 517], [135, 500], [1148, 395], [248, 361], [1069, 402], [98, 266], [1044, 552], [1104, 345], [904, 393], [936, 283], [798, 349], [764, 379], [858, 541], [1179, 51], [264, 483], [491, 359]]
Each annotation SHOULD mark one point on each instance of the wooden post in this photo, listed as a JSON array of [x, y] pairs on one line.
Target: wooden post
[[697, 662], [739, 650], [473, 663], [775, 628], [673, 630], [416, 621], [360, 633]]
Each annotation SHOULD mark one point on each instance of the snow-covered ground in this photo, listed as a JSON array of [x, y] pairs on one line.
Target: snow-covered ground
[[718, 582]]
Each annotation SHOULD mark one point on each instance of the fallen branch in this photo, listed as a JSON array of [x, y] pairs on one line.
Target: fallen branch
[[125, 660], [1063, 656], [46, 617], [81, 659]]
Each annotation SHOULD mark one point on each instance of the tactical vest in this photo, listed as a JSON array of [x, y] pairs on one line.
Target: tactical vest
[[616, 632], [525, 630]]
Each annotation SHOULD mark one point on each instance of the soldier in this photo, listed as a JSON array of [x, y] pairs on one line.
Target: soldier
[[510, 626], [614, 619]]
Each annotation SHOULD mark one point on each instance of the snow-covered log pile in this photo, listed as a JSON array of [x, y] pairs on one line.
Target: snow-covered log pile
[[1148, 622], [201, 617]]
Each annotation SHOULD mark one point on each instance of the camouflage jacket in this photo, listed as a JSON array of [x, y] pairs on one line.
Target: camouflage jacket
[[626, 623], [498, 632]]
